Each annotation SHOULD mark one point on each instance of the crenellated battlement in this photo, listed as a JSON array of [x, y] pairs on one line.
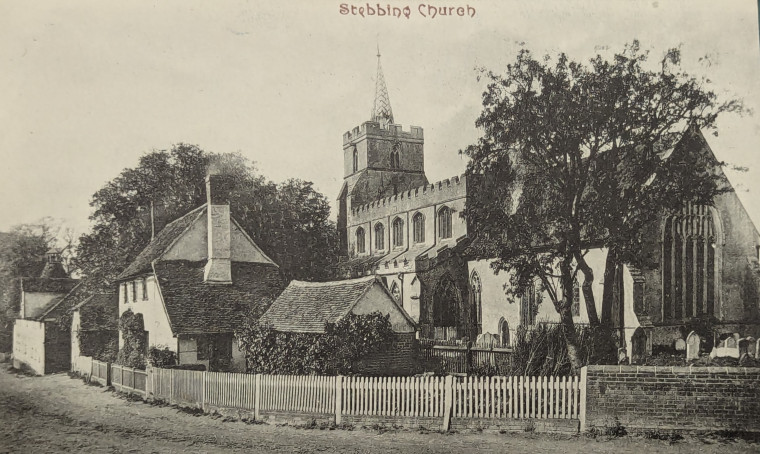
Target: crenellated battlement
[[423, 195], [374, 128]]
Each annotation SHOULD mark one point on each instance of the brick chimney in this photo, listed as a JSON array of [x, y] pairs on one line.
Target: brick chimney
[[219, 266]]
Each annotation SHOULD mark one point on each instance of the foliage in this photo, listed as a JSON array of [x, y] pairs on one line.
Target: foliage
[[574, 156], [102, 345], [22, 254], [161, 356], [132, 353], [290, 221], [337, 351]]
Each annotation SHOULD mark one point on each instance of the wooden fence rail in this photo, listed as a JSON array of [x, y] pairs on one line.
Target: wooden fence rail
[[127, 379], [101, 372]]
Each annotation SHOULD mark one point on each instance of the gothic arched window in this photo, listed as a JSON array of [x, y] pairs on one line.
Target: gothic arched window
[[689, 272], [379, 236], [444, 222], [395, 159], [398, 232], [356, 160], [360, 241], [477, 308], [504, 332], [529, 305], [396, 292], [418, 221]]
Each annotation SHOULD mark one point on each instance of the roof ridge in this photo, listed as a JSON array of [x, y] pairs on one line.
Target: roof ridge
[[329, 283]]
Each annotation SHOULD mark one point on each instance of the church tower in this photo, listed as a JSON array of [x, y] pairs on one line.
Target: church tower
[[379, 158]]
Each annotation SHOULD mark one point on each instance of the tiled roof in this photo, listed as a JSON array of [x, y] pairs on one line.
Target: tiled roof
[[59, 305], [47, 285], [165, 238], [100, 311], [194, 306], [306, 306]]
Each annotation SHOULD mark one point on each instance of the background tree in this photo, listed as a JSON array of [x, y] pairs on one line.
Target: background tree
[[22, 254], [574, 156], [289, 221]]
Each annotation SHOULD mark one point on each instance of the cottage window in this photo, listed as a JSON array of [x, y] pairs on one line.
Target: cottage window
[[379, 236], [134, 291], [689, 272], [144, 289], [576, 307], [360, 241], [444, 222], [398, 232], [418, 221], [124, 292]]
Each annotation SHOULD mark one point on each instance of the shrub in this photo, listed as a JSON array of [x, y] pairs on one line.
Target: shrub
[[102, 345], [132, 353], [336, 351], [161, 356]]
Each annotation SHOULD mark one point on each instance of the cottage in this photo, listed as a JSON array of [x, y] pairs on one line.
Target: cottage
[[197, 280], [39, 343], [305, 307]]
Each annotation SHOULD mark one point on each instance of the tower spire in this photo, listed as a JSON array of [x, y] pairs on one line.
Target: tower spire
[[381, 111]]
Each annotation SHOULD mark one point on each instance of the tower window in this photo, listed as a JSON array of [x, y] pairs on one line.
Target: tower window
[[356, 160], [418, 221], [360, 240], [398, 232], [395, 160], [444, 222], [379, 236]]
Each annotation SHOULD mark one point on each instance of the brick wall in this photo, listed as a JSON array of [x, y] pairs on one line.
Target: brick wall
[[400, 359], [673, 398]]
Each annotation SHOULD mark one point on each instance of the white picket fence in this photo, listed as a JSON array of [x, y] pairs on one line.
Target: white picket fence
[[401, 397]]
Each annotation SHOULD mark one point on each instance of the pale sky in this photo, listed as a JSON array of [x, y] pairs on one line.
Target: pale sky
[[88, 87]]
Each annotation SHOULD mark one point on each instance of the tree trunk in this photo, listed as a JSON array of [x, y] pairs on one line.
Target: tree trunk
[[608, 294], [587, 288], [566, 316]]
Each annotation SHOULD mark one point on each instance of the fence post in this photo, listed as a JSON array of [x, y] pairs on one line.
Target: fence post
[[338, 399], [171, 386], [257, 394], [448, 400], [582, 386]]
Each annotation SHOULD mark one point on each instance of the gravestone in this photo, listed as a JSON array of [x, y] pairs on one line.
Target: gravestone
[[638, 345], [731, 342], [487, 340], [622, 356], [743, 347], [680, 345], [752, 347], [692, 346]]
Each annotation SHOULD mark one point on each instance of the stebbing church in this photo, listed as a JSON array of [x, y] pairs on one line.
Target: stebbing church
[[396, 224]]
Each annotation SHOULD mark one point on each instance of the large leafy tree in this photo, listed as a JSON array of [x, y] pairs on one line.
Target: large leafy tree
[[577, 155], [290, 221]]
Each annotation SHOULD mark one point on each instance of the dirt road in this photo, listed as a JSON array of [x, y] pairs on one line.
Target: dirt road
[[56, 413]]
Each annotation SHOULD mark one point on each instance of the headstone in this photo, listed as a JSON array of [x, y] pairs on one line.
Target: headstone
[[731, 342], [743, 347], [680, 345], [487, 340], [752, 347], [622, 355], [638, 344], [692, 346]]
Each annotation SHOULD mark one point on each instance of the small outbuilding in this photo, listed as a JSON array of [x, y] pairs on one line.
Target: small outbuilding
[[305, 307]]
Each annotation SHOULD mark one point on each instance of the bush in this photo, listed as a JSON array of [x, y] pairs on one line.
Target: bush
[[102, 345], [161, 356], [132, 353], [337, 351]]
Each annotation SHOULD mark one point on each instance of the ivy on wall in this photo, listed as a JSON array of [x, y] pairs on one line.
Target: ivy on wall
[[132, 353], [335, 352]]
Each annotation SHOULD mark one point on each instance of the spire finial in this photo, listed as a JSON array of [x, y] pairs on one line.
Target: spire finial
[[381, 111]]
